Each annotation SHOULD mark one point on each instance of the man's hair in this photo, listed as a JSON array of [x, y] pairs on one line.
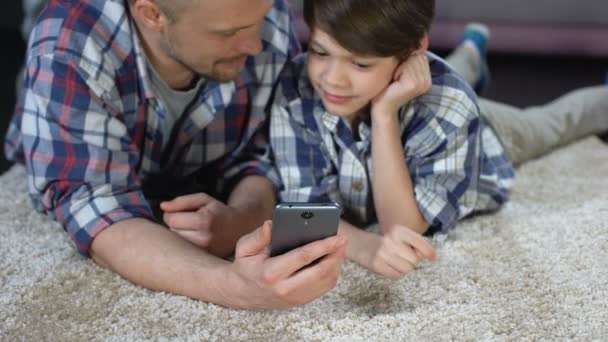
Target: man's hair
[[171, 8], [383, 28]]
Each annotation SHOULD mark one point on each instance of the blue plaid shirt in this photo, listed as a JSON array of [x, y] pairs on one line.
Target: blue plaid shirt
[[90, 129], [456, 162]]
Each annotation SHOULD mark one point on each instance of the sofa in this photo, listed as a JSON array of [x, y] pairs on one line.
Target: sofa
[[546, 27], [540, 27]]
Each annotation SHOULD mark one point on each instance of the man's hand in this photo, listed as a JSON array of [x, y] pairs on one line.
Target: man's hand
[[397, 252], [150, 255], [203, 220], [286, 280]]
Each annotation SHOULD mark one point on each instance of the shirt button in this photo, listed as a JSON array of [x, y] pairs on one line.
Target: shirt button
[[358, 186]]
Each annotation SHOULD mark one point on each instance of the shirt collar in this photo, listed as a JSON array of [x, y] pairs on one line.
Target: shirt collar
[[140, 62]]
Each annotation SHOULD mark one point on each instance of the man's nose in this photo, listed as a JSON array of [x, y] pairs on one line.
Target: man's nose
[[251, 43]]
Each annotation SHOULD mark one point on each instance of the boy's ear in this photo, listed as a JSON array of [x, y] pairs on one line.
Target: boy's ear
[[424, 44]]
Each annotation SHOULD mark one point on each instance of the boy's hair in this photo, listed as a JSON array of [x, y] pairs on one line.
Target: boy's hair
[[383, 28]]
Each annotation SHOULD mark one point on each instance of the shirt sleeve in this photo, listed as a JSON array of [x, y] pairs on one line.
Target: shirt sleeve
[[443, 150], [306, 174], [252, 160], [80, 158]]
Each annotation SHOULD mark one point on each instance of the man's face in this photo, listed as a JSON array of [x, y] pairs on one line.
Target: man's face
[[213, 38]]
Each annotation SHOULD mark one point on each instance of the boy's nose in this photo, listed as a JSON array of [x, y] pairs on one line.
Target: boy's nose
[[334, 75]]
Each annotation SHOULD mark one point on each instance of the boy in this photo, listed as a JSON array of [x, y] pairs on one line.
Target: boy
[[350, 124]]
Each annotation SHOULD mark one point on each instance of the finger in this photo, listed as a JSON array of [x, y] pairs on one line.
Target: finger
[[255, 242], [402, 253], [418, 242], [424, 69], [401, 266], [187, 220], [384, 268], [283, 266], [398, 72], [419, 255], [314, 281], [414, 66], [196, 237], [187, 202], [423, 248], [419, 67]]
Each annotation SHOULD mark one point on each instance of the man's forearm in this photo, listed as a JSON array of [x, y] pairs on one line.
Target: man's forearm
[[254, 198], [152, 256]]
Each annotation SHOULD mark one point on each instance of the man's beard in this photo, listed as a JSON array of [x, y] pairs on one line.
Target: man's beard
[[215, 74]]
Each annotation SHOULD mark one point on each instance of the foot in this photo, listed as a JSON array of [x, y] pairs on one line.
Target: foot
[[475, 38]]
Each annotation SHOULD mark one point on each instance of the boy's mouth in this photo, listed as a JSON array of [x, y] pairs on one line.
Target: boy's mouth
[[336, 99]]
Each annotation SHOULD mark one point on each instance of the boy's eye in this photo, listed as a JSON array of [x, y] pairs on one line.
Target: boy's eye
[[317, 52], [361, 65]]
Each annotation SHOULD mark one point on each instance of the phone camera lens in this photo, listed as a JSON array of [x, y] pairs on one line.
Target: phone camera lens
[[307, 215]]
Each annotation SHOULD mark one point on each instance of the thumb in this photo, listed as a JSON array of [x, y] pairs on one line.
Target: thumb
[[255, 242]]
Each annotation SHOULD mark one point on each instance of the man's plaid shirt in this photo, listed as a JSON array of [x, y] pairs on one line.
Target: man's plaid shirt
[[90, 129]]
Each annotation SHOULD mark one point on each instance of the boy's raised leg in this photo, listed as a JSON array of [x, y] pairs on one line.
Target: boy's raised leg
[[531, 132], [469, 58]]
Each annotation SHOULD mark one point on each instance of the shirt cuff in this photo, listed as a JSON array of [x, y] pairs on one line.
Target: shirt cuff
[[84, 220], [253, 168], [437, 210]]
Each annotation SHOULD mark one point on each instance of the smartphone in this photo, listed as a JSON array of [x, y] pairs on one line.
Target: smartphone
[[297, 224]]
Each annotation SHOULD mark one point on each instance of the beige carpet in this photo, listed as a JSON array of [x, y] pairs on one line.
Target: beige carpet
[[537, 270]]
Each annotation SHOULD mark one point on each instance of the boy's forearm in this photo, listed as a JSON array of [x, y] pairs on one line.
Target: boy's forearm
[[394, 196], [152, 256], [358, 242]]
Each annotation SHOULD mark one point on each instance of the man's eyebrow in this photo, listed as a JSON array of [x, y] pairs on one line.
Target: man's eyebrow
[[232, 29]]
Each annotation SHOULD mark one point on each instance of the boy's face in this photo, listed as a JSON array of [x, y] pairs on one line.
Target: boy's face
[[346, 82], [213, 38]]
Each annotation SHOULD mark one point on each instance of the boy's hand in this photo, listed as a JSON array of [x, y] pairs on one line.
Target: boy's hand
[[199, 218], [411, 79], [397, 252]]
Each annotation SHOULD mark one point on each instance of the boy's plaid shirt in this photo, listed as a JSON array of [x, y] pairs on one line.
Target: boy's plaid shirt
[[455, 160]]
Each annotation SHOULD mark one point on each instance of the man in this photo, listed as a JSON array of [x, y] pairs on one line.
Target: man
[[128, 104]]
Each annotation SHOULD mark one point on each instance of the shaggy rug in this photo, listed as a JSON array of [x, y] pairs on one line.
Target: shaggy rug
[[536, 270]]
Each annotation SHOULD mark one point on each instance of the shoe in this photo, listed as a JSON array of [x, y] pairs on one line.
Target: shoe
[[477, 35]]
